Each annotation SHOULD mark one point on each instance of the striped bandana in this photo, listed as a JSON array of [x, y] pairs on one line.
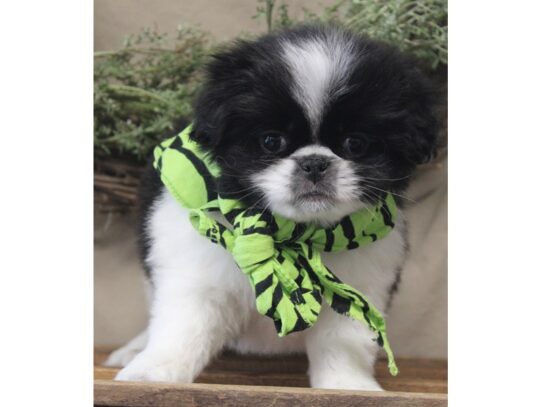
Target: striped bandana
[[280, 257]]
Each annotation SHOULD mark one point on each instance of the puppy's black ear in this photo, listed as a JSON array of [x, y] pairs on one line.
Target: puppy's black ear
[[210, 117], [209, 120], [421, 122], [226, 74], [422, 136]]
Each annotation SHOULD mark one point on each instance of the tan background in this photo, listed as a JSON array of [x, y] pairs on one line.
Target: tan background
[[418, 316], [224, 19]]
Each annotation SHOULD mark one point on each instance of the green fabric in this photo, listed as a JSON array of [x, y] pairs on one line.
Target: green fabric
[[280, 257]]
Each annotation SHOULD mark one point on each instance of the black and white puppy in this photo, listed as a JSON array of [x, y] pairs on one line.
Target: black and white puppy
[[314, 123]]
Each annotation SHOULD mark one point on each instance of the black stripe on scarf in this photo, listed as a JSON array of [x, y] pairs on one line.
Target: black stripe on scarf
[[300, 323], [277, 296], [309, 249], [386, 215], [298, 231], [317, 296], [159, 162], [231, 215], [330, 239], [379, 339], [200, 167], [332, 277], [301, 261], [272, 224], [252, 229], [278, 324], [299, 279], [349, 233], [365, 306], [340, 304], [296, 296], [263, 285], [372, 235]]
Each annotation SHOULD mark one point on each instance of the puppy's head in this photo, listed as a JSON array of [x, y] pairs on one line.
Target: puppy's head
[[314, 123]]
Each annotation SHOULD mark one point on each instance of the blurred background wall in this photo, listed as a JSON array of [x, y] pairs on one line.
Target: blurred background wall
[[418, 316], [224, 19]]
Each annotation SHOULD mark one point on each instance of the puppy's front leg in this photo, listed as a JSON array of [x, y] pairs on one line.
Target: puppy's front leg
[[341, 353], [188, 326]]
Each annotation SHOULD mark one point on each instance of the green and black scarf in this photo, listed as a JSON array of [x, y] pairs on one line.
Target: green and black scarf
[[280, 257]]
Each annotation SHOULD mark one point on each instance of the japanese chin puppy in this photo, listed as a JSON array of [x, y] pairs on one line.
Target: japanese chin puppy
[[313, 123]]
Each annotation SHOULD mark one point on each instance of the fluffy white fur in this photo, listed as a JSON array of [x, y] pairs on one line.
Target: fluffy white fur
[[203, 303]]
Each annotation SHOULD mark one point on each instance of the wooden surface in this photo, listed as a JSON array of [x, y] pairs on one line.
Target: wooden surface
[[233, 380]]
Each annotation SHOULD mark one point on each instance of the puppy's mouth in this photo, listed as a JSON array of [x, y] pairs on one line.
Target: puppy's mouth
[[314, 196]]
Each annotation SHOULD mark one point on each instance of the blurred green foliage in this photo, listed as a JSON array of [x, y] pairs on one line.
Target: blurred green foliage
[[419, 27], [141, 90]]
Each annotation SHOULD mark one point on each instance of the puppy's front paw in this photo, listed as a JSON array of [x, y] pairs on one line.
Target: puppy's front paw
[[333, 380], [146, 368], [122, 356]]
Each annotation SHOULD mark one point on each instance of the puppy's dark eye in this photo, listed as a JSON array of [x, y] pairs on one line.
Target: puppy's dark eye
[[356, 145], [273, 142]]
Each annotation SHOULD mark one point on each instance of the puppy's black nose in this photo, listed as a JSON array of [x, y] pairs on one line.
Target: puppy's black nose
[[314, 166]]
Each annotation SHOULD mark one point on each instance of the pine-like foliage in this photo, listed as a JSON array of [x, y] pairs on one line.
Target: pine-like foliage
[[141, 90], [416, 26], [419, 27]]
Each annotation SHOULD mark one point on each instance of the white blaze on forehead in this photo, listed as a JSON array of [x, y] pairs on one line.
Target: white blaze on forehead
[[314, 149], [320, 67]]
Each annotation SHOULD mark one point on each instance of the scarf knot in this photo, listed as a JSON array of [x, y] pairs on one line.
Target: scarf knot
[[251, 250]]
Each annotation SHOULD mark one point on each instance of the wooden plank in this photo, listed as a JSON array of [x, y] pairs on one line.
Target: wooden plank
[[414, 385], [417, 375], [229, 362], [296, 380], [302, 380], [412, 368], [110, 393], [104, 373]]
